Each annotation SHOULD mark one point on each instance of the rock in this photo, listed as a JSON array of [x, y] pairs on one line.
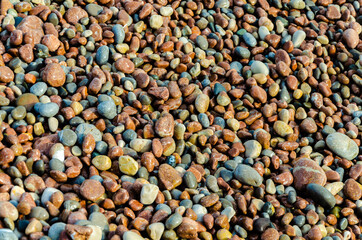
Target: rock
[[321, 195], [248, 175], [54, 75], [148, 193], [223, 99], [155, 230], [282, 128], [107, 109], [270, 234], [334, 187], [308, 125], [85, 128], [351, 37], [55, 230], [102, 162], [261, 224], [92, 190], [51, 42], [39, 88], [307, 171], [119, 33], [94, 9], [252, 149], [173, 221], [124, 65], [333, 12], [297, 4], [352, 190], [169, 177], [249, 40], [47, 193], [202, 42], [164, 126], [128, 165], [74, 14], [129, 235], [156, 21], [5, 5], [47, 109], [202, 103], [7, 234], [298, 36], [32, 26], [28, 100], [67, 137], [8, 210], [259, 67], [342, 145], [39, 213], [102, 55], [6, 74], [141, 145], [187, 229]]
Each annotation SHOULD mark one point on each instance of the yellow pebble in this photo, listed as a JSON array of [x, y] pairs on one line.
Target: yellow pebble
[[297, 94], [77, 107], [38, 128], [223, 234]]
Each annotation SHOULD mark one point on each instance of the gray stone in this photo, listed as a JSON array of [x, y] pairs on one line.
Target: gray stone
[[68, 137], [342, 145], [119, 33], [107, 109], [49, 109], [102, 55], [248, 175], [249, 39], [321, 195], [55, 230], [93, 9], [83, 129], [39, 88], [259, 67], [298, 38], [7, 234]]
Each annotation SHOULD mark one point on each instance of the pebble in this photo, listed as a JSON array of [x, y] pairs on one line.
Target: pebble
[[49, 109], [85, 128], [248, 175], [252, 149], [342, 145], [102, 162], [351, 38], [321, 195], [155, 230], [202, 103], [102, 55], [259, 67], [148, 193], [92, 190], [156, 21], [54, 75], [298, 36], [107, 109], [127, 165], [67, 137], [306, 171]]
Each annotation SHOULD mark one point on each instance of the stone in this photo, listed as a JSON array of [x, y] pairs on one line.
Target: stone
[[173, 221], [128, 165], [8, 210], [67, 137], [28, 100], [352, 190], [148, 193], [252, 149], [164, 126], [155, 230], [74, 14], [129, 235], [92, 190], [270, 234], [169, 177], [54, 75], [7, 234], [102, 162], [55, 230], [6, 74], [32, 26], [49, 109], [297, 4], [248, 175], [321, 195], [259, 67], [119, 33], [282, 128], [351, 38], [342, 145], [39, 213], [39, 88], [202, 42], [85, 128], [307, 171], [47, 193], [141, 145], [202, 103], [125, 65], [156, 21], [334, 187], [308, 125], [102, 55], [333, 12], [107, 109], [298, 36], [249, 40]]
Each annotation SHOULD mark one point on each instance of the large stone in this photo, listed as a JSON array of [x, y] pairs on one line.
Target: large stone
[[321, 195], [248, 175], [307, 171], [169, 177], [342, 145]]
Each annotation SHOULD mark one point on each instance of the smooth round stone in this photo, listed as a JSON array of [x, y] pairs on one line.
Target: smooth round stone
[[28, 100], [200, 211], [222, 4], [85, 128], [48, 192], [39, 88], [129, 135], [102, 55], [128, 165], [173, 221], [297, 4], [190, 180], [8, 210], [102, 162], [261, 224], [156, 21], [166, 11], [202, 42], [248, 175], [39, 213], [119, 33], [155, 230], [223, 99], [93, 9], [132, 236], [19, 113], [49, 109], [7, 234], [67, 137], [100, 220], [321, 195], [342, 145], [282, 128], [107, 109], [202, 103], [259, 67], [298, 38], [249, 39], [252, 149], [149, 193], [334, 187], [242, 52], [263, 32], [96, 232], [55, 230], [141, 145], [307, 171]]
